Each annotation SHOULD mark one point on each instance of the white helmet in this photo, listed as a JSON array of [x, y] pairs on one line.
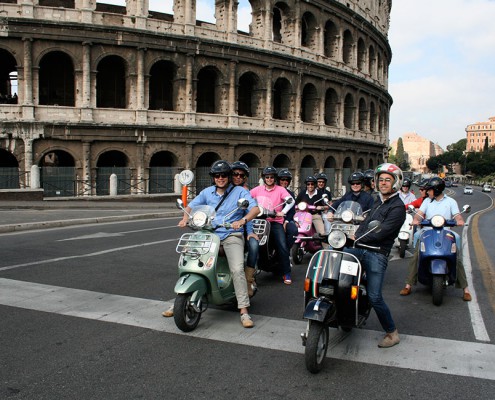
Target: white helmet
[[393, 170]]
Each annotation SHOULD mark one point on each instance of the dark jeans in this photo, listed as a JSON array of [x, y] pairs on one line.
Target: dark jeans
[[291, 233], [375, 265]]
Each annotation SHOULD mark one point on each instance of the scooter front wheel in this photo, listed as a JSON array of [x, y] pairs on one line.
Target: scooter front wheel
[[297, 254], [402, 248], [316, 346], [437, 289], [185, 316]]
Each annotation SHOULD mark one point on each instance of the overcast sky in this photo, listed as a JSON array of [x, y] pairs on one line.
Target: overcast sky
[[442, 76]]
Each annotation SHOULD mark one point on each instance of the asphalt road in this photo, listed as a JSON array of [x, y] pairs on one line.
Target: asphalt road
[[80, 309]]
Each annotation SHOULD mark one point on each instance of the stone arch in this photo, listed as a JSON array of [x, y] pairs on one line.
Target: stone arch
[[348, 48], [363, 115], [373, 117], [308, 167], [310, 103], [349, 111], [249, 95], [162, 93], [111, 83], [203, 165], [361, 54], [57, 173], [208, 93], [113, 162], [162, 170], [8, 78], [56, 79], [361, 165], [347, 170], [254, 164], [331, 40], [372, 61], [309, 31], [281, 24], [331, 107], [282, 99], [329, 168], [9, 170]]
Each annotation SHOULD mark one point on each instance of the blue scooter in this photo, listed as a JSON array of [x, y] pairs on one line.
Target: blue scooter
[[438, 255]]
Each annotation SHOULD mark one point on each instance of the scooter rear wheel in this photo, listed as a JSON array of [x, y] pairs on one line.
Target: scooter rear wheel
[[316, 346], [185, 316], [297, 254], [402, 248]]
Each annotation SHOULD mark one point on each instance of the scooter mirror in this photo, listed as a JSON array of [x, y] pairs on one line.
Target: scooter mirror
[[180, 204], [242, 204], [466, 208], [411, 208], [375, 225]]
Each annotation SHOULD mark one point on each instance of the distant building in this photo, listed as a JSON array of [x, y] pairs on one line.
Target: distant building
[[477, 133], [418, 150]]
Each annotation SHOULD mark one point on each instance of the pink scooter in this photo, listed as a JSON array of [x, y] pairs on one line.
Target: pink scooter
[[308, 240]]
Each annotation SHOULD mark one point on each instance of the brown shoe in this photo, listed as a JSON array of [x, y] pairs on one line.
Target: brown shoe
[[466, 296], [246, 321], [169, 313], [390, 339], [406, 291]]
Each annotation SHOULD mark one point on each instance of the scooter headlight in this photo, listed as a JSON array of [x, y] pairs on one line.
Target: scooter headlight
[[337, 239], [199, 219], [437, 221], [347, 216], [302, 206]]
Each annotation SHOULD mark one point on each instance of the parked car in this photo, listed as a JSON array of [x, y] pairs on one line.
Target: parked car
[[468, 190], [486, 188]]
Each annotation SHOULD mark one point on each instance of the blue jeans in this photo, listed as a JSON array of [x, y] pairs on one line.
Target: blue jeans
[[291, 233], [277, 232], [375, 265]]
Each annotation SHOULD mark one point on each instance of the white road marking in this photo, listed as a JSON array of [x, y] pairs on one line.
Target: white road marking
[[97, 235], [414, 352], [97, 253]]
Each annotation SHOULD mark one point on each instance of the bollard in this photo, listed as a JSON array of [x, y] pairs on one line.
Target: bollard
[[113, 185], [35, 177], [184, 195]]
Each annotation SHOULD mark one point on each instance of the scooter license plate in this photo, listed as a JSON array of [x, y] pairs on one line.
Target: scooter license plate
[[349, 268]]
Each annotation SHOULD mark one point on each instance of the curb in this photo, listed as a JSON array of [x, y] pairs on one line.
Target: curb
[[81, 221]]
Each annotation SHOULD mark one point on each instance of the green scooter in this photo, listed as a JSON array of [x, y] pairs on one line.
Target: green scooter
[[204, 274]]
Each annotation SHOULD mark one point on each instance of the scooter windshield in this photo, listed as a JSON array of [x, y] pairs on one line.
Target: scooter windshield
[[266, 203], [346, 206], [203, 217]]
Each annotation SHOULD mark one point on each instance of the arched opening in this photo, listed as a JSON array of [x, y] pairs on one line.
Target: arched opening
[[203, 166], [9, 170], [331, 40], [310, 104], [8, 78], [58, 174], [361, 60], [163, 168], [161, 86], [363, 115], [372, 61], [111, 83], [249, 95], [113, 162], [282, 98], [281, 31], [254, 164], [56, 80], [349, 110], [331, 107], [329, 170], [347, 50], [308, 167], [309, 36], [207, 96], [361, 165], [373, 117], [346, 172]]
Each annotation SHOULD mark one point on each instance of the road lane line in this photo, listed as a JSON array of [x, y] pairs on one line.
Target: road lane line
[[414, 352], [95, 254]]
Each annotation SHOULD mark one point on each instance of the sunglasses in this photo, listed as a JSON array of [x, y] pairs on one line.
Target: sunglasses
[[284, 179], [310, 184], [422, 189], [217, 176], [239, 175], [269, 177], [355, 183]]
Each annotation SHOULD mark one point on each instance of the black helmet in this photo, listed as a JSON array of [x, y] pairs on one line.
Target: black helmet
[[310, 179], [240, 165], [220, 167], [369, 175], [323, 176], [285, 173], [356, 177], [406, 182], [437, 184], [269, 171], [423, 183]]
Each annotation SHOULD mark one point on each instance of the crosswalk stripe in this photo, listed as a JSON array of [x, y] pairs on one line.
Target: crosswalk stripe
[[414, 352]]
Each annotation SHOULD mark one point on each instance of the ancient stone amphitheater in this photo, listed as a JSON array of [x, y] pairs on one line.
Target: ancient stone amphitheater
[[88, 89]]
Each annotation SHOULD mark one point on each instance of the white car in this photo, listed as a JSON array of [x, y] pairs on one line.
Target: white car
[[487, 188], [468, 190]]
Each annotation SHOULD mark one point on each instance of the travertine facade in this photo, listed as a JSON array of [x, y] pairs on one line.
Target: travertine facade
[[105, 89], [419, 150], [477, 133]]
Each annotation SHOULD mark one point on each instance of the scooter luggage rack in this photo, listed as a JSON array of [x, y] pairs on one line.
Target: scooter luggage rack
[[259, 226], [193, 244], [348, 229]]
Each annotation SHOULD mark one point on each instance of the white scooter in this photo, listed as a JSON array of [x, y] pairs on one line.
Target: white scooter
[[405, 238]]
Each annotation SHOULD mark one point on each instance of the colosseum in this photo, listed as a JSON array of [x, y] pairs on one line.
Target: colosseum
[[89, 89]]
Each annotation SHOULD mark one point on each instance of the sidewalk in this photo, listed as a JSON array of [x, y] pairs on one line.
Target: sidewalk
[[50, 213]]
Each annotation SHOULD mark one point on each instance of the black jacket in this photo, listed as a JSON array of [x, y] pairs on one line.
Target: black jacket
[[392, 214]]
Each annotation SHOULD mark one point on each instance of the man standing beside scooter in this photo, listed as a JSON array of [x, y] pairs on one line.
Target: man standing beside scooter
[[439, 204], [223, 196], [389, 210]]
